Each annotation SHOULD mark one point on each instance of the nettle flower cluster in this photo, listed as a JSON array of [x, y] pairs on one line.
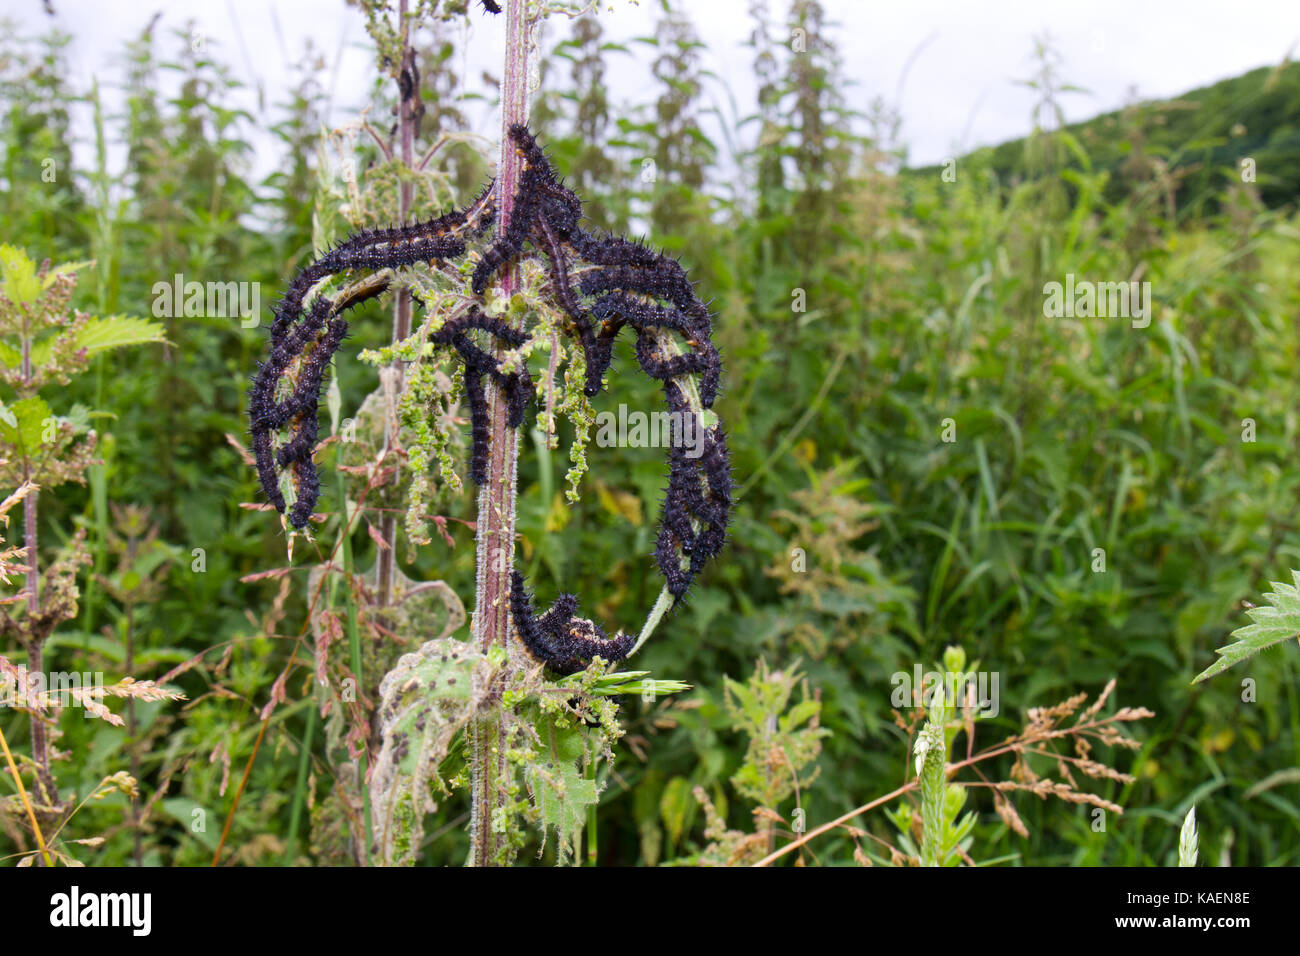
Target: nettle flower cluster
[[602, 284]]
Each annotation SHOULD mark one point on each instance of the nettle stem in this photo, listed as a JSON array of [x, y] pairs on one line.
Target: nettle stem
[[35, 651], [489, 845], [35, 663]]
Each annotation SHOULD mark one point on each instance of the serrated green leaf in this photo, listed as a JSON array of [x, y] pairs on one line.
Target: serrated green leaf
[[563, 795], [801, 712], [561, 790], [97, 335], [1275, 622], [19, 275], [100, 335], [117, 331]]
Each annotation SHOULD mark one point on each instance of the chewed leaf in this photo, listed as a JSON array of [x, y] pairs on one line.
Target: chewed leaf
[[1275, 622], [424, 701]]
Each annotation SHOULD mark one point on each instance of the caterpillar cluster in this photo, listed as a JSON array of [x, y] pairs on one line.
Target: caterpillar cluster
[[603, 284], [298, 359], [559, 638], [517, 386], [697, 505], [302, 346]]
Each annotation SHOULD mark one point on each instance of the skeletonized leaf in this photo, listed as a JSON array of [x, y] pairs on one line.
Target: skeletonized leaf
[[424, 700]]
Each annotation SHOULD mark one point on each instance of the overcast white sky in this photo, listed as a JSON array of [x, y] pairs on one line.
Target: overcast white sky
[[959, 91]]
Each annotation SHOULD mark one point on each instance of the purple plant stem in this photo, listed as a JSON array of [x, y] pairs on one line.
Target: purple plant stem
[[496, 501]]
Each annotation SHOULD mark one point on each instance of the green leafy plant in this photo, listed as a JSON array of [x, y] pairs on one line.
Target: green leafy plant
[[784, 739], [941, 832], [46, 342]]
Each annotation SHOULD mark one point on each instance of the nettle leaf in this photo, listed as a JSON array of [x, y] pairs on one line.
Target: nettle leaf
[[24, 433], [94, 335], [102, 334], [118, 331], [19, 275], [561, 791], [1272, 625], [424, 701]]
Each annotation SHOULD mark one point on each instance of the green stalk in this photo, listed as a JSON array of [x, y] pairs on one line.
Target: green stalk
[[1187, 841], [300, 785], [385, 560], [931, 758], [592, 848], [354, 645], [104, 247]]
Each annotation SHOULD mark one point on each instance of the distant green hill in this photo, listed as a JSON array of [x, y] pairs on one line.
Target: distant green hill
[[1203, 135]]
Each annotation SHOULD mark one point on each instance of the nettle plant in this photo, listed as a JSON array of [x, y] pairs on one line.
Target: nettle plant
[[44, 342], [510, 276]]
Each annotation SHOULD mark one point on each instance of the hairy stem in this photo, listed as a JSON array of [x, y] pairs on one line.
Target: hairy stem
[[35, 655], [354, 656], [35, 663], [496, 501]]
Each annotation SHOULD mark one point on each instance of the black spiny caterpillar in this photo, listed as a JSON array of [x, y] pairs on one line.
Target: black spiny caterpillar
[[602, 284], [518, 386], [559, 638]]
